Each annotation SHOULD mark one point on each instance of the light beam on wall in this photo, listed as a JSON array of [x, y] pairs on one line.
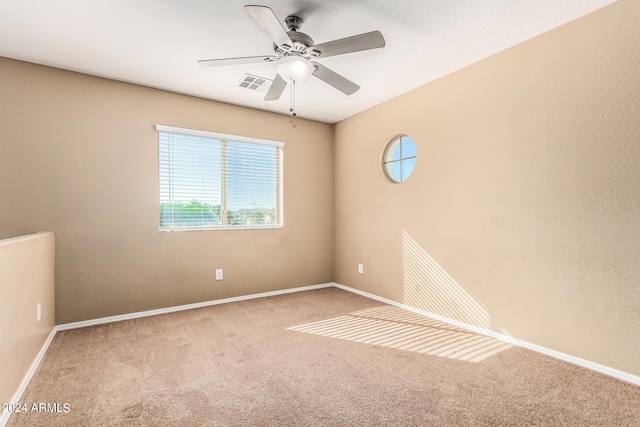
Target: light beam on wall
[[427, 287]]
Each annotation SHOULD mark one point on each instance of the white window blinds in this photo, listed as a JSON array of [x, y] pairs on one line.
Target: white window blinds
[[213, 181]]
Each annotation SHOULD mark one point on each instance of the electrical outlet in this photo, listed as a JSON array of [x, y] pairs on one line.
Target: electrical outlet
[[219, 274], [39, 310], [360, 268]]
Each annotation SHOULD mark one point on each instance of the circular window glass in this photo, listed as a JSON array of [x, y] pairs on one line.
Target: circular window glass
[[399, 158]]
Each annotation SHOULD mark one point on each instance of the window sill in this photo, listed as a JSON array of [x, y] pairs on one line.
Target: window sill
[[220, 228]]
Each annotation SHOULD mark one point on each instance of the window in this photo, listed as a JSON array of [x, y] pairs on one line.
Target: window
[[212, 181], [399, 158]]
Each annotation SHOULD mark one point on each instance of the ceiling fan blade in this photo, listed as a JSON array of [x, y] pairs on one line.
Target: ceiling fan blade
[[334, 79], [265, 17], [366, 41], [276, 89], [235, 61]]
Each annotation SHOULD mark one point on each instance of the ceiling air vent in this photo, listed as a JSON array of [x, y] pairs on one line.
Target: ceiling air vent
[[251, 82]]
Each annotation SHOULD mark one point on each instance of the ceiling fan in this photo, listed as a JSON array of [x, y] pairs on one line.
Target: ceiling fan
[[295, 53]]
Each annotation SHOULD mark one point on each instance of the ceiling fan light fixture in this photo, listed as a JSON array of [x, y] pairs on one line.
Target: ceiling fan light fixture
[[294, 68]]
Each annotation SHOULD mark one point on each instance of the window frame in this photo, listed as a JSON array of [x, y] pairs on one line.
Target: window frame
[[387, 152], [224, 138]]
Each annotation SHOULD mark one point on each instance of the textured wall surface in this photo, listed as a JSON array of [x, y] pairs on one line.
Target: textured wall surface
[[523, 213], [26, 279], [82, 161]]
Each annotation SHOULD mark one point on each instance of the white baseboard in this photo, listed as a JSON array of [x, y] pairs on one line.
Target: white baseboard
[[624, 376], [4, 416], [137, 315]]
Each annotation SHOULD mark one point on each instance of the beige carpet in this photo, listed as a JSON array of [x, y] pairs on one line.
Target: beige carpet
[[325, 358]]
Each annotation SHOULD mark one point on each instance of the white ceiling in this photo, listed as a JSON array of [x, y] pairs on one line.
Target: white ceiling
[[156, 43]]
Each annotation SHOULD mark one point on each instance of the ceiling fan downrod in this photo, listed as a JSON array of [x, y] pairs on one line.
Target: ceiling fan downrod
[[294, 23]]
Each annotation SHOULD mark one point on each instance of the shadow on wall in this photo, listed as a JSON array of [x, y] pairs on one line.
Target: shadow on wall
[[427, 287], [393, 327]]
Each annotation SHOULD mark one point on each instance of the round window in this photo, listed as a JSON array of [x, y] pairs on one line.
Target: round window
[[399, 158]]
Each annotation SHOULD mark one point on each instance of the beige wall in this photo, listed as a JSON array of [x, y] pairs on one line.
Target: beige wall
[[26, 279], [523, 213], [80, 159]]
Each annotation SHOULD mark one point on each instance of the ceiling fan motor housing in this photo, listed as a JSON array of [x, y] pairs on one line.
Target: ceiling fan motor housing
[[301, 43]]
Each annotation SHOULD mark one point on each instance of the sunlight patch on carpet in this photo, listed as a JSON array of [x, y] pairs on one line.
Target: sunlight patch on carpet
[[393, 327]]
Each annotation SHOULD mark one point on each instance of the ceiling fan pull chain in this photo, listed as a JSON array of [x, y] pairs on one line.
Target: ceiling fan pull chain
[[293, 98]]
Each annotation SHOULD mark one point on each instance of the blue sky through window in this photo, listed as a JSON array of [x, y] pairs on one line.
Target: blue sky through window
[[251, 176], [400, 158]]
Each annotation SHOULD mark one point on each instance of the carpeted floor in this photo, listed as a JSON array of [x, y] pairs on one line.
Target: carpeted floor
[[317, 358]]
